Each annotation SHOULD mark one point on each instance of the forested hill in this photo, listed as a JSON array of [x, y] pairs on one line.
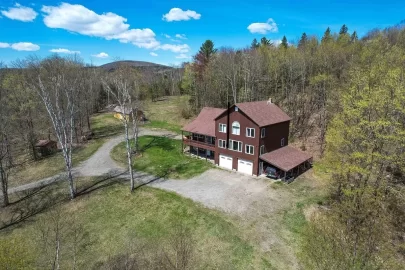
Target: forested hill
[[135, 64]]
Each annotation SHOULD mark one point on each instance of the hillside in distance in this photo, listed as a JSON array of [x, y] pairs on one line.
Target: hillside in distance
[[135, 64]]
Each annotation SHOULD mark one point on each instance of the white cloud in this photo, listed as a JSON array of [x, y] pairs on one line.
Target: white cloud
[[263, 28], [143, 38], [181, 36], [177, 14], [100, 55], [20, 13], [167, 36], [276, 42], [60, 50], [4, 45], [183, 48], [25, 46], [79, 19], [182, 56], [153, 54]]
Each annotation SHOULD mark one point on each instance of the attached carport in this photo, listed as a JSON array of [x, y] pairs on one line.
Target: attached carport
[[288, 159]]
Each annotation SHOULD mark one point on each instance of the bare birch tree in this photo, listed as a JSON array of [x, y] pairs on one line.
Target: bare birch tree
[[121, 85], [5, 155], [56, 80]]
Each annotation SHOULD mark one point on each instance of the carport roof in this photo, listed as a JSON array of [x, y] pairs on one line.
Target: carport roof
[[286, 158]]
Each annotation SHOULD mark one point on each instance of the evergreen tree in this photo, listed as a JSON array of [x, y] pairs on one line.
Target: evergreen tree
[[265, 42], [254, 44], [284, 43], [303, 41], [207, 49], [327, 36], [354, 38], [343, 30]]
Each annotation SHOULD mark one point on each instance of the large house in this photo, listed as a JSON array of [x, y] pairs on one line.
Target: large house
[[247, 137]]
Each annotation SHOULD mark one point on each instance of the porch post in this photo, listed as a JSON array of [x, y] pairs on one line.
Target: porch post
[[182, 142]]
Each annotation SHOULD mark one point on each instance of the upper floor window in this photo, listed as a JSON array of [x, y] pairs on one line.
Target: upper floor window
[[282, 142], [263, 133], [236, 128], [222, 128], [249, 149], [235, 145], [236, 108], [250, 132], [262, 150]]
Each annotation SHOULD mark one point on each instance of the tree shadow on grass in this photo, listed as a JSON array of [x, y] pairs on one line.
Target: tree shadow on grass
[[26, 205], [162, 142]]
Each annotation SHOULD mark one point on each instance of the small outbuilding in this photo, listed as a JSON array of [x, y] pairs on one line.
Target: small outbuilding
[[121, 111], [46, 147]]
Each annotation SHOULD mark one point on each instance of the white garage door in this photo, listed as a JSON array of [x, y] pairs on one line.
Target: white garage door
[[245, 166], [225, 161]]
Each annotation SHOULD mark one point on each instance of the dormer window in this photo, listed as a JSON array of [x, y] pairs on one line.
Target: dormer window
[[236, 128]]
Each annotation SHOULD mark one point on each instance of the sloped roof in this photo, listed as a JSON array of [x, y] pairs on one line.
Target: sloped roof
[[122, 110], [205, 122], [286, 158], [263, 113], [42, 143]]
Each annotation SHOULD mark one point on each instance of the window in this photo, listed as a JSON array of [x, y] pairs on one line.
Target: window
[[262, 150], [282, 142], [263, 133], [250, 132], [221, 143], [236, 128], [235, 145], [236, 109], [222, 128], [249, 149]]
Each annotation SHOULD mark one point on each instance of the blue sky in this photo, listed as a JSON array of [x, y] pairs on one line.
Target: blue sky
[[102, 31]]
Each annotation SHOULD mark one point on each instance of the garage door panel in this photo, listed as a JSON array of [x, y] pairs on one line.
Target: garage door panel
[[245, 166], [225, 162]]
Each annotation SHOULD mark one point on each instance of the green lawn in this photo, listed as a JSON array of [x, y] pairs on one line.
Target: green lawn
[[166, 113], [164, 125], [113, 221], [105, 125], [162, 156]]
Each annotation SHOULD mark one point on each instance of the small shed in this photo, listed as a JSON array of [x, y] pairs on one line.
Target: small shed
[[120, 112], [46, 147]]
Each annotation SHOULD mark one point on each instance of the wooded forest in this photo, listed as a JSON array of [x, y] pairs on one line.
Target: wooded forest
[[345, 95]]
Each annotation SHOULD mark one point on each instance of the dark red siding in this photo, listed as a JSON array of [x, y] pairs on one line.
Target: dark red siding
[[274, 134], [244, 122]]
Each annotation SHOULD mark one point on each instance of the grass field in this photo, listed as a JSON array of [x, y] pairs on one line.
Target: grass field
[[166, 114], [111, 220], [162, 157], [52, 165]]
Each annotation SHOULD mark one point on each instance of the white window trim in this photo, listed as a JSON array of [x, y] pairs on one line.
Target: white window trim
[[282, 142], [220, 143], [263, 133], [238, 126], [247, 132], [231, 145], [224, 129], [262, 150], [249, 146]]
